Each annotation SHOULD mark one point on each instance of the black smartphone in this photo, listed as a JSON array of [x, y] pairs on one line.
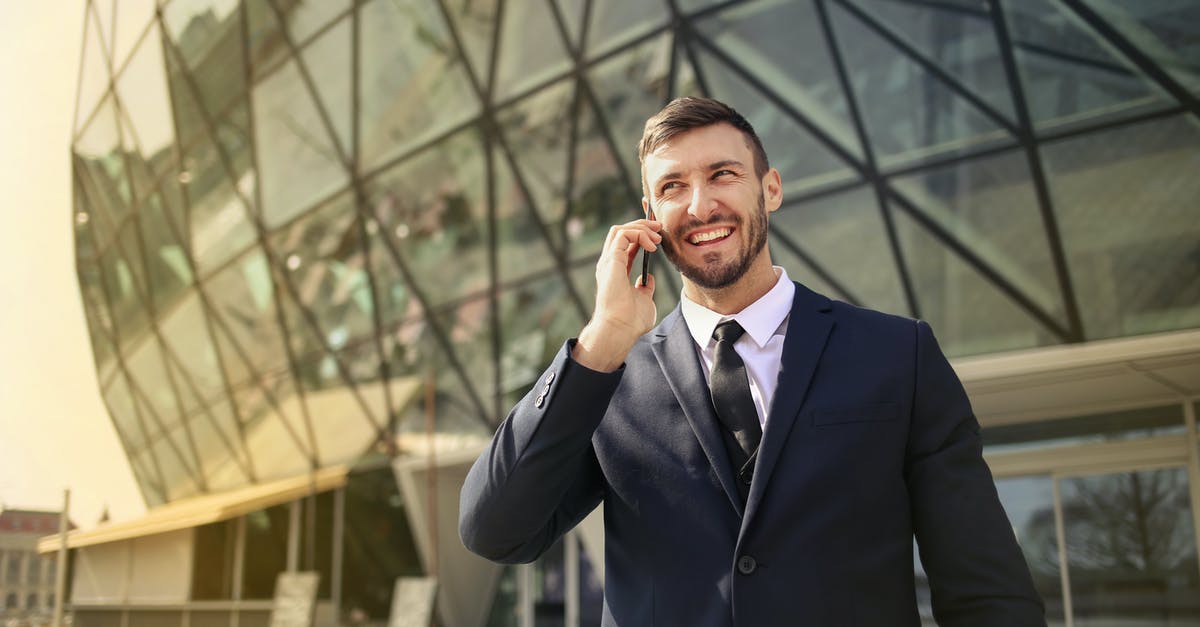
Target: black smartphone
[[645, 264]]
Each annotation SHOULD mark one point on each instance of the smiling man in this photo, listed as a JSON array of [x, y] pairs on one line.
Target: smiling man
[[765, 455]]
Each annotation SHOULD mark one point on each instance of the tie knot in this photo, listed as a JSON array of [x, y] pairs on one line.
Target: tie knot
[[728, 331]]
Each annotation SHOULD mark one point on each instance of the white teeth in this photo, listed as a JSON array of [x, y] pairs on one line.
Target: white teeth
[[710, 236]]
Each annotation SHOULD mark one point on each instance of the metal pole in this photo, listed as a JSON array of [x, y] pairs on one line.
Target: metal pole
[[60, 577], [571, 577]]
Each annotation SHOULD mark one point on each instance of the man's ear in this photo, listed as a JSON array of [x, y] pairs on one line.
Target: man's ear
[[772, 189], [647, 210]]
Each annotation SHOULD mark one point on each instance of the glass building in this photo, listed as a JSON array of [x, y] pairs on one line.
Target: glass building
[[324, 245]]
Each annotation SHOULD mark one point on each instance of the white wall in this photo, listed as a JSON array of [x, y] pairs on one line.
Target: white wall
[[153, 569]]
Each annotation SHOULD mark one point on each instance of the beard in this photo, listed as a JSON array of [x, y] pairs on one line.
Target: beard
[[711, 273]]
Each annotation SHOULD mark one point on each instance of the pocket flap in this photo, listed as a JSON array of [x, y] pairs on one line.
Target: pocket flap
[[879, 412]]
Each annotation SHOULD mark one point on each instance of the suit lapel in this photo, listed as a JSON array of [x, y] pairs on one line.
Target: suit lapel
[[808, 329], [676, 353]]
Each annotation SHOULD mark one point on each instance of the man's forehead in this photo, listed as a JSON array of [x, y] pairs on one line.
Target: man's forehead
[[699, 146]]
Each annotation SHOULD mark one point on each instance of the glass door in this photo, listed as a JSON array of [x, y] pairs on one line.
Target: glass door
[[1130, 549]]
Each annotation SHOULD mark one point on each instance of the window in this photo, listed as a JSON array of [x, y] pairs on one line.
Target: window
[[212, 569]]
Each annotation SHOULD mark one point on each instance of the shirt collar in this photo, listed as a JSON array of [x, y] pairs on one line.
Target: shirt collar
[[761, 319]]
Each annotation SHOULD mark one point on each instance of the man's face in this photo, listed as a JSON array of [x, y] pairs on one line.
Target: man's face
[[701, 185]]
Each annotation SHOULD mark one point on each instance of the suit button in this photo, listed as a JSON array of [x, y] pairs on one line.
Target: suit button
[[540, 400], [549, 378], [746, 564]]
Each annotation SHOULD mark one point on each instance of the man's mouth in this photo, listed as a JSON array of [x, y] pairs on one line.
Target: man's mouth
[[705, 237]]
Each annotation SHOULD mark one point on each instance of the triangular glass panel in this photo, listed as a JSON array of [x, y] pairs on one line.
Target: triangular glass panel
[[297, 161], [133, 16], [185, 332], [93, 73], [573, 16], [796, 64], [179, 477], [100, 153], [1164, 30], [267, 43], [455, 409], [142, 179], [616, 24], [631, 87], [524, 229], [120, 407], [434, 205], [413, 83], [168, 272], [474, 23], [145, 471], [220, 446], [687, 79], [802, 270], [909, 113], [305, 18], [968, 313], [1070, 75], [105, 16], [207, 36], [149, 372], [537, 131], [990, 205], [1125, 200], [804, 161], [323, 262], [822, 229], [188, 119], [277, 437], [220, 225], [243, 299], [525, 61], [142, 88], [534, 319], [166, 440], [328, 60], [688, 7], [394, 298], [93, 220], [130, 314], [347, 402], [962, 44]]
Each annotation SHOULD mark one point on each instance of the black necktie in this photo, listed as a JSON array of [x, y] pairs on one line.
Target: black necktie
[[735, 407]]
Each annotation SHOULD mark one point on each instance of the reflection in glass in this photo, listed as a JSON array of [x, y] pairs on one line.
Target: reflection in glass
[[969, 313], [1126, 204], [990, 205], [1131, 549], [243, 297], [142, 88], [413, 84], [525, 61], [823, 228], [1070, 75], [297, 161], [432, 207], [1029, 503], [207, 36]]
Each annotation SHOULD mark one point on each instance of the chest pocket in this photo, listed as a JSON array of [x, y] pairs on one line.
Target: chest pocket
[[879, 412]]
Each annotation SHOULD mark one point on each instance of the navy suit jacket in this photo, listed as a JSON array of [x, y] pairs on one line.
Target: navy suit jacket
[[869, 440]]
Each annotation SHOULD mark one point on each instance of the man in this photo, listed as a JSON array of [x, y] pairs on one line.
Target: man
[[792, 502]]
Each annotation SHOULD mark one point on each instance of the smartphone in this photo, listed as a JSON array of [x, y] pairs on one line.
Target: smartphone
[[646, 254], [645, 264]]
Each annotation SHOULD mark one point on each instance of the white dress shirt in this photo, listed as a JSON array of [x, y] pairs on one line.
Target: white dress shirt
[[761, 347]]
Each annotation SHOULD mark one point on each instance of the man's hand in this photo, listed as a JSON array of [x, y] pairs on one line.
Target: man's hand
[[624, 310]]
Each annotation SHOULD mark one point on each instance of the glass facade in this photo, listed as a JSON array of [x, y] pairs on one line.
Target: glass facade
[[287, 210]]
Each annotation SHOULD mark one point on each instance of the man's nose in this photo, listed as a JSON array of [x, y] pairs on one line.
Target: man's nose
[[703, 203]]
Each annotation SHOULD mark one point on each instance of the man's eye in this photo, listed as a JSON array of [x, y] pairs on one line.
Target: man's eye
[[722, 173], [669, 186]]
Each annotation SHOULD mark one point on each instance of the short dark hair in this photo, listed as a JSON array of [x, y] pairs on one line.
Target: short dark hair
[[687, 113]]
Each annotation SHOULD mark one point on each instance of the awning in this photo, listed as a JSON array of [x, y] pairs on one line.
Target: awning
[[1079, 379], [202, 510]]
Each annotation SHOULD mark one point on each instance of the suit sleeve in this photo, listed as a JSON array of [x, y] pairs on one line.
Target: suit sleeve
[[539, 476], [978, 576]]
